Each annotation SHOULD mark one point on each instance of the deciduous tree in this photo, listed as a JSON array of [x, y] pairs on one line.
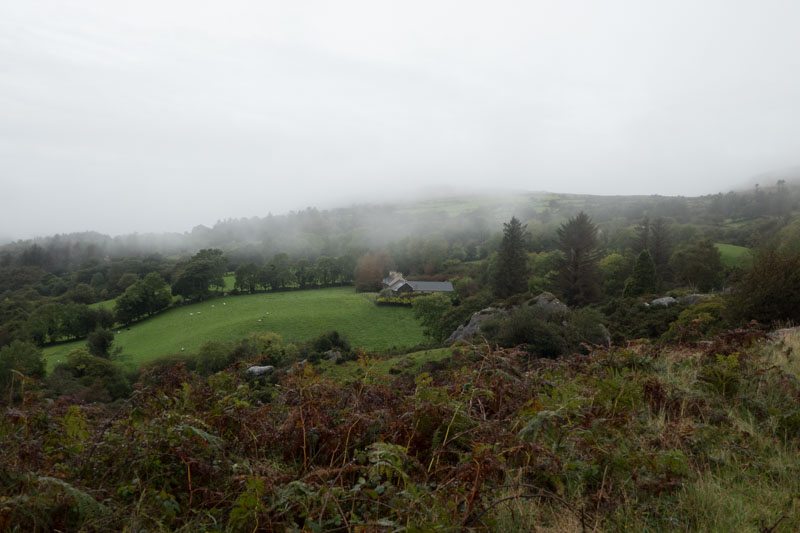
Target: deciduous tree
[[370, 269], [698, 265]]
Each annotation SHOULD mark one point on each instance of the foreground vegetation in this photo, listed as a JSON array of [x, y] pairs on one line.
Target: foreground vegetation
[[688, 437], [295, 315]]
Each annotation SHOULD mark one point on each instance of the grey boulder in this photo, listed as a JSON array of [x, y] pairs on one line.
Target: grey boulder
[[665, 301], [256, 371], [465, 332]]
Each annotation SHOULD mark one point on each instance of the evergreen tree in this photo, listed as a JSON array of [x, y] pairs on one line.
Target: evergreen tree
[[579, 276], [642, 239], [660, 249], [643, 279], [511, 271]]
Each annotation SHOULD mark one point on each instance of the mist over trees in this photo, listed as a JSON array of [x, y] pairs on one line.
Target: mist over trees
[[585, 249]]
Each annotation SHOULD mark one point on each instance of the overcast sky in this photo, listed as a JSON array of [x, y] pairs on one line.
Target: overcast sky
[[161, 115]]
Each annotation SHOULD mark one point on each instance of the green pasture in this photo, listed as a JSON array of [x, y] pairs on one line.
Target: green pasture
[[295, 315], [105, 304], [734, 256]]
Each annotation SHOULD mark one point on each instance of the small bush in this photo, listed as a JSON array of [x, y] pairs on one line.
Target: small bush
[[89, 378], [770, 291], [697, 322], [213, 356], [525, 325], [22, 357], [722, 375], [628, 318], [331, 340], [99, 342]]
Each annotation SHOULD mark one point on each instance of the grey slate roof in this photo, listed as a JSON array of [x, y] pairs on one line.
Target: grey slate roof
[[431, 286]]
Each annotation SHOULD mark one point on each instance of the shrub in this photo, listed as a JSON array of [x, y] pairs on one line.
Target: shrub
[[722, 375], [525, 325], [90, 378], [331, 340], [23, 357], [697, 322], [429, 310], [628, 318], [213, 356], [586, 326], [770, 290], [99, 342]]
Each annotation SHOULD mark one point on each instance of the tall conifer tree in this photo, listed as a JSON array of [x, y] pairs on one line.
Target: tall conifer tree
[[660, 249], [579, 276], [643, 280], [511, 272]]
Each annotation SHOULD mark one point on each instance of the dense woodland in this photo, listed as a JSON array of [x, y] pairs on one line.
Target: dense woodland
[[608, 411]]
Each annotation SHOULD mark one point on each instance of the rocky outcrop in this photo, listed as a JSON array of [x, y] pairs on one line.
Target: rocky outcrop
[[549, 304], [545, 302], [665, 301], [465, 332]]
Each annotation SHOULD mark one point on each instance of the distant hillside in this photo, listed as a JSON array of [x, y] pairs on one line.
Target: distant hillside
[[472, 220]]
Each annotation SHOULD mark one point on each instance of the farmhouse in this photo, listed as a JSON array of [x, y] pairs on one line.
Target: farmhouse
[[399, 285]]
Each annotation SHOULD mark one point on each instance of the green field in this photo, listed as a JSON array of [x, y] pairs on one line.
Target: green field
[[105, 304], [295, 315], [734, 256]]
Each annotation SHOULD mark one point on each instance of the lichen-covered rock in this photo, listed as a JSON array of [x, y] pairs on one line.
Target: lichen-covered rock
[[549, 304], [665, 301], [465, 332], [333, 355], [256, 371]]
